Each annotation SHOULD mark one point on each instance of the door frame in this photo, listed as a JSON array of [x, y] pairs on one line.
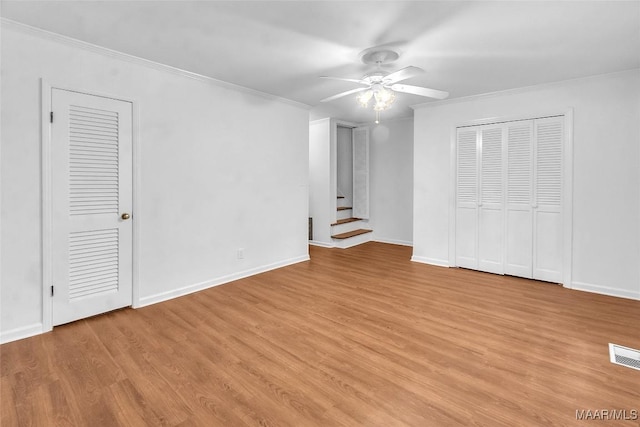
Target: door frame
[[567, 183], [47, 198]]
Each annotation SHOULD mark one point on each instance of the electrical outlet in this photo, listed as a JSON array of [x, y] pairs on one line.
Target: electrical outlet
[[241, 253]]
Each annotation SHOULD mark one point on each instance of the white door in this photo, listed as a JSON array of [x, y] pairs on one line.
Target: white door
[[547, 217], [491, 203], [91, 139], [361, 173], [467, 198], [509, 198], [519, 241]]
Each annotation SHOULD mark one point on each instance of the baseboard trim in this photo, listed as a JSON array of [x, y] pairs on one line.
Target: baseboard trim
[[430, 261], [21, 333], [321, 244], [393, 241], [186, 290], [605, 290]]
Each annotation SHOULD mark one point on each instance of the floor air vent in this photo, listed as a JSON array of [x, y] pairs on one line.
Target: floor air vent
[[624, 356]]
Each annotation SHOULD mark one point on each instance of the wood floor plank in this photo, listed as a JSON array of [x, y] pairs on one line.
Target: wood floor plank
[[65, 412], [354, 337], [8, 407]]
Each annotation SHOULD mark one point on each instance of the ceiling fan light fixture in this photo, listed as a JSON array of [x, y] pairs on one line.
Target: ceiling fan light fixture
[[384, 98], [364, 97], [380, 85]]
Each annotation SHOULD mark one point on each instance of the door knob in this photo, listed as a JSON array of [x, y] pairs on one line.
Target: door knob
[[125, 216]]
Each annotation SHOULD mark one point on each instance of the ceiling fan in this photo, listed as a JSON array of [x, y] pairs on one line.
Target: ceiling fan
[[381, 85]]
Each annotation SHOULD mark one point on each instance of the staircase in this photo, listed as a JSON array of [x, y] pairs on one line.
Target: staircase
[[348, 231]]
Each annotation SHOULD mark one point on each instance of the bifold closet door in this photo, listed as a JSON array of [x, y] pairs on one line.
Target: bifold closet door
[[534, 199], [491, 203], [509, 198], [480, 198], [467, 198], [519, 213], [547, 216]]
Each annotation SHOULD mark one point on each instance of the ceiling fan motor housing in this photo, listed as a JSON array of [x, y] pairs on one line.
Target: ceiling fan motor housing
[[379, 55], [375, 77]]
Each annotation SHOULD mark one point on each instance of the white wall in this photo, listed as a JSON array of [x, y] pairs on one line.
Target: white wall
[[391, 181], [606, 163], [344, 153], [221, 168]]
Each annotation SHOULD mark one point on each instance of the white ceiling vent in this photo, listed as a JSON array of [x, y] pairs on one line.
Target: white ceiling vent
[[624, 356]]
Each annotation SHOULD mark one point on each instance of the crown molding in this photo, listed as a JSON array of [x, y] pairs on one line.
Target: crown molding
[[70, 41], [520, 90]]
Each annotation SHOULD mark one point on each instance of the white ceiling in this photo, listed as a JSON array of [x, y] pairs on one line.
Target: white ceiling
[[281, 47]]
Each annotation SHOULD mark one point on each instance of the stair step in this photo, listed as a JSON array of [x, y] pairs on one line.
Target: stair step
[[351, 234], [346, 220], [344, 208]]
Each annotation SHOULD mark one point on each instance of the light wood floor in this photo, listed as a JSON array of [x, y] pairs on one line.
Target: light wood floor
[[356, 337]]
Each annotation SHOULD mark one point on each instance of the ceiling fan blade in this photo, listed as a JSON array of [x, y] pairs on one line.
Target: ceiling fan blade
[[340, 95], [422, 91], [341, 79], [403, 74]]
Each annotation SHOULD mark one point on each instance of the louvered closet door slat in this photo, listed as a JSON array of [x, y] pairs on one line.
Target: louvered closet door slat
[[519, 169], [549, 162], [491, 180], [467, 180], [100, 172]]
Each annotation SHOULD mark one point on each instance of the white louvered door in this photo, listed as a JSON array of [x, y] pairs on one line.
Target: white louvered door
[[519, 241], [547, 202], [509, 198], [467, 198], [491, 206], [91, 139]]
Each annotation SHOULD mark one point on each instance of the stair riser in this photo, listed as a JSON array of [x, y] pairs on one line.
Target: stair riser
[[344, 214], [352, 241], [349, 226], [343, 202]]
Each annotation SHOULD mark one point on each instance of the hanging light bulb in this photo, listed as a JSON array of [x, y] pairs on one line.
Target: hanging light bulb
[[384, 98], [364, 97]]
